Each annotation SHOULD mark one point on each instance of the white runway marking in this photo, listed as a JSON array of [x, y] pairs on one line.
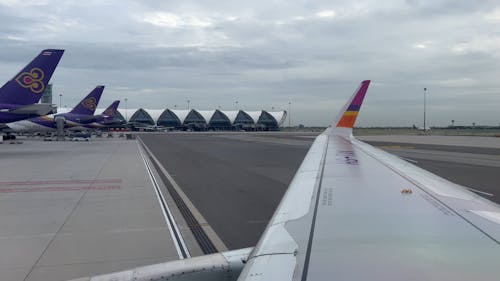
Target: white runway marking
[[210, 232], [179, 243]]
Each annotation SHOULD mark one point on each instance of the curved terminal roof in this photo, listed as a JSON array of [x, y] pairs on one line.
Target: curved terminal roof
[[127, 113], [168, 119], [266, 119], [142, 116], [219, 119], [174, 117], [243, 118], [231, 115], [254, 115], [206, 114], [181, 114], [155, 113], [279, 116], [194, 117]]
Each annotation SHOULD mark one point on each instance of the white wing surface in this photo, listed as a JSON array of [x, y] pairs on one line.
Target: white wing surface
[[354, 212]]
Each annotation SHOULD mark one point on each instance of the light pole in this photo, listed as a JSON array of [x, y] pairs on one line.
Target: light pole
[[188, 101], [60, 100], [289, 114], [425, 104], [236, 105], [126, 110]]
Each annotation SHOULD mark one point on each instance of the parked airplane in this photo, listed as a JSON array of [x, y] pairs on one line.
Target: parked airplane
[[355, 212], [81, 114], [20, 95], [106, 118]]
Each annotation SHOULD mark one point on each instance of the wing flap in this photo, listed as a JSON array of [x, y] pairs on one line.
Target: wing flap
[[269, 267], [300, 194], [296, 203]]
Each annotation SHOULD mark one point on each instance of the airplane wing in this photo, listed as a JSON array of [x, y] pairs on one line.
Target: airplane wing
[[354, 212], [37, 109]]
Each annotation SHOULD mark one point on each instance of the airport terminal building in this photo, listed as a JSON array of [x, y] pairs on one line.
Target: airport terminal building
[[201, 120]]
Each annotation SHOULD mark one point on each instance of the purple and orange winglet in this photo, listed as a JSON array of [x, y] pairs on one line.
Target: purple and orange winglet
[[351, 110]]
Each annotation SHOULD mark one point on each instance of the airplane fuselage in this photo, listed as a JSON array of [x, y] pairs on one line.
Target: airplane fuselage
[[6, 117], [48, 122], [15, 112]]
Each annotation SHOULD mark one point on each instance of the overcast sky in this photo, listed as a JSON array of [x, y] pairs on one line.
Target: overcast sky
[[265, 54]]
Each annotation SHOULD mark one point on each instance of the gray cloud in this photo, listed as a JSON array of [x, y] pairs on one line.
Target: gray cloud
[[265, 54]]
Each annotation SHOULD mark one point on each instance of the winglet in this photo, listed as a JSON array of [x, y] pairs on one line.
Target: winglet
[[345, 121], [88, 105]]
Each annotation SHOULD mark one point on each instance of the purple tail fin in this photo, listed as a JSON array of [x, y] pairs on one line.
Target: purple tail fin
[[110, 112], [88, 105], [28, 85]]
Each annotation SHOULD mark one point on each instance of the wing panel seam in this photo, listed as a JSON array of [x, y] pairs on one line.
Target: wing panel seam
[[313, 224]]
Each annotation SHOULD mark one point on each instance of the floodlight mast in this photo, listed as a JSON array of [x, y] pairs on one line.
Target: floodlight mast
[[425, 105], [289, 114]]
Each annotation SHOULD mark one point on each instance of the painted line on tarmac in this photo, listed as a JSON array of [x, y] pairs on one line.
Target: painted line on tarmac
[[180, 245], [396, 147], [195, 220], [58, 188], [46, 182]]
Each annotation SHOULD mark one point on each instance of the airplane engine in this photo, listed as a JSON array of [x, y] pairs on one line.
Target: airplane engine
[[60, 121], [60, 124]]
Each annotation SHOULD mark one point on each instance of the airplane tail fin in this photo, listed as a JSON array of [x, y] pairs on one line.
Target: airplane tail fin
[[28, 85], [110, 112], [88, 105], [345, 121]]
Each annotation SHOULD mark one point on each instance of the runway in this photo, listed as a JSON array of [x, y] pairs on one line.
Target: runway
[[236, 180], [70, 210]]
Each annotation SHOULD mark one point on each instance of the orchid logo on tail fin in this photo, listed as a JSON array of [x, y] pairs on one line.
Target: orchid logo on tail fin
[[109, 112], [90, 103], [32, 80]]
